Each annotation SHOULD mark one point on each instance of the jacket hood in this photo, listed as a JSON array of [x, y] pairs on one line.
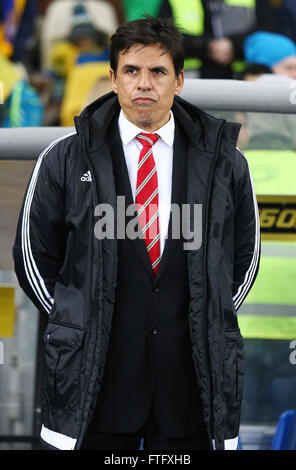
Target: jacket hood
[[201, 128]]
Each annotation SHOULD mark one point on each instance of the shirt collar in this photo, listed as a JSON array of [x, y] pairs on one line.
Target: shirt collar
[[128, 130]]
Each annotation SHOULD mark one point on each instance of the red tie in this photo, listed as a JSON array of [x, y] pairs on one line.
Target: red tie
[[147, 198]]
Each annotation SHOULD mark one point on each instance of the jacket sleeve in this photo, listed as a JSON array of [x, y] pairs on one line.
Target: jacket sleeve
[[246, 232], [38, 250]]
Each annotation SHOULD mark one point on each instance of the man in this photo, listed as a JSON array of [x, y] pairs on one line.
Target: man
[[142, 338], [22, 105], [272, 50]]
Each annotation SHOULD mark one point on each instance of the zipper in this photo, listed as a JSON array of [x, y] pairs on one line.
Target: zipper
[[205, 309], [97, 297], [56, 376], [62, 323]]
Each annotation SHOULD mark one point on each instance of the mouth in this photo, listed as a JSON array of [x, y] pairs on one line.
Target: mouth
[[141, 100]]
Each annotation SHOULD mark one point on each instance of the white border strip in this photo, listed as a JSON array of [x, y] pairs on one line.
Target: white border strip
[[249, 276], [229, 444], [33, 275], [58, 440]]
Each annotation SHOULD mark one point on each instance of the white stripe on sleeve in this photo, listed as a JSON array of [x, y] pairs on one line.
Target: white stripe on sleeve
[[229, 444], [56, 439], [249, 276], [33, 275]]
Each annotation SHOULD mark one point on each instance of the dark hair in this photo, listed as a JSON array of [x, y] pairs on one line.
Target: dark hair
[[256, 69], [148, 31]]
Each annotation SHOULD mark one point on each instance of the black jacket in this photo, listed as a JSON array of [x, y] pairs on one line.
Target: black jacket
[[286, 19], [71, 275]]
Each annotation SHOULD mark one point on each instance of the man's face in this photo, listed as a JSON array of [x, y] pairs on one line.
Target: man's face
[[146, 83], [286, 67]]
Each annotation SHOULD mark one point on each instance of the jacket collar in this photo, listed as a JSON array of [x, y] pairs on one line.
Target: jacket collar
[[128, 131], [200, 128], [95, 119]]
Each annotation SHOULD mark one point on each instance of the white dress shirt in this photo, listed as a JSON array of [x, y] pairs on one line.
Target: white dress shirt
[[163, 156]]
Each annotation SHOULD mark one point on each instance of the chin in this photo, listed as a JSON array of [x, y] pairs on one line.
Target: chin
[[144, 121]]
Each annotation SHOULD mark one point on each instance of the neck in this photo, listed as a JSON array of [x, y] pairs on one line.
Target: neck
[[148, 126]]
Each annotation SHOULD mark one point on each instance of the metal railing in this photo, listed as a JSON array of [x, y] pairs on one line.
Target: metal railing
[[225, 95], [274, 96]]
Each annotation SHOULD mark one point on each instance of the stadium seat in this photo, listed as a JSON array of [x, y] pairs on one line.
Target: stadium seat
[[285, 435]]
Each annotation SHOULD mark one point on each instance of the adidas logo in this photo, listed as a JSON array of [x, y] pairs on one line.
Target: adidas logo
[[86, 176]]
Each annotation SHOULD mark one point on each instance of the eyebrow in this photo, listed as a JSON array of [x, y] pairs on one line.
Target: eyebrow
[[152, 69]]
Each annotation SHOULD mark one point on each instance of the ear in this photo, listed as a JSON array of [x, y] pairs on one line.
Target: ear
[[179, 83], [113, 80]]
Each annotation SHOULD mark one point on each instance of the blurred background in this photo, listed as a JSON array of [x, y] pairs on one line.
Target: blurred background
[[54, 60]]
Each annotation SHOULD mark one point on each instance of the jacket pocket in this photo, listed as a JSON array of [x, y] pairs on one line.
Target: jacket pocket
[[63, 357], [234, 365]]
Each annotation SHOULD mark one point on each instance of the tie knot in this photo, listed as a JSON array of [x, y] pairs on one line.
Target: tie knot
[[147, 140]]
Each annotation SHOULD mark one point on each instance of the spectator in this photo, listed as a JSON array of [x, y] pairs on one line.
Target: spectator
[[87, 62], [16, 27], [265, 131], [273, 50], [116, 4], [286, 17], [253, 71], [57, 22], [214, 32], [22, 106]]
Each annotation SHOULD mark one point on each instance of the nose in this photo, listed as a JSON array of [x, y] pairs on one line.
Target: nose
[[144, 81]]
